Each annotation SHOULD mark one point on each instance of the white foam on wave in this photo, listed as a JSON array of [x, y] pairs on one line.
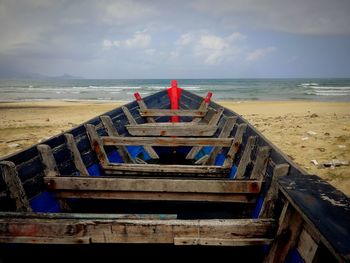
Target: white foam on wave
[[307, 84], [330, 88]]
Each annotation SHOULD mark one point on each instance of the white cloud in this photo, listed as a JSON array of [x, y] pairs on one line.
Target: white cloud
[[138, 40], [314, 17], [215, 49], [125, 11], [185, 39], [259, 53]]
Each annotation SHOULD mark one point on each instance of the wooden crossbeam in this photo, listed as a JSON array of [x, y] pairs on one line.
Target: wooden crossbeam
[[158, 196], [188, 129], [164, 141], [246, 157], [14, 186], [169, 112], [96, 144], [112, 131], [260, 164], [143, 106], [268, 206], [203, 106], [85, 231], [154, 185], [290, 226], [216, 117], [125, 168], [225, 133], [48, 160], [236, 144], [79, 164], [149, 149]]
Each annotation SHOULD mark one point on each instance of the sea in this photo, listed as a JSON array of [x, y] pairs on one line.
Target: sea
[[223, 89]]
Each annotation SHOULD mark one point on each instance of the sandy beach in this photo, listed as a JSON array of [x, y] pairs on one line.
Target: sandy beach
[[304, 130]]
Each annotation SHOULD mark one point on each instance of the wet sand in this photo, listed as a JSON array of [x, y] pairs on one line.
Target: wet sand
[[304, 130]]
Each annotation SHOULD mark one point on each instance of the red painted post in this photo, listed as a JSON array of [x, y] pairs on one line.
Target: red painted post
[[174, 93]]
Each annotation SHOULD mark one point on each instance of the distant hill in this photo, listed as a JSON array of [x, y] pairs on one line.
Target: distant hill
[[6, 74]]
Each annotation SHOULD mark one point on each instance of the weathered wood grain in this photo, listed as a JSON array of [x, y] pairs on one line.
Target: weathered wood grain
[[164, 141], [48, 160], [79, 164], [14, 186], [169, 112], [245, 160], [96, 144], [235, 145], [132, 231], [112, 131], [260, 164], [153, 185]]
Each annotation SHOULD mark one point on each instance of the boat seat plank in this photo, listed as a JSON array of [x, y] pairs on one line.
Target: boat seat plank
[[121, 168], [169, 112], [158, 196], [14, 186], [165, 141], [136, 230], [188, 129]]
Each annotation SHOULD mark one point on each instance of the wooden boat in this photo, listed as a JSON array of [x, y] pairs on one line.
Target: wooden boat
[[210, 186]]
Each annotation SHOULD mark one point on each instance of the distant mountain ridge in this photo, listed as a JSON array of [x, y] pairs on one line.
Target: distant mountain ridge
[[23, 75]]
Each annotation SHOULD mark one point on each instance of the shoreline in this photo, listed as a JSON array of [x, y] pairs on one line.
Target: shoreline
[[303, 130]]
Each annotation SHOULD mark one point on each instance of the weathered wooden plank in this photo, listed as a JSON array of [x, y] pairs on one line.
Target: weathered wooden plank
[[216, 117], [203, 106], [44, 240], [14, 186], [225, 133], [132, 231], [164, 141], [129, 116], [39, 215], [234, 242], [48, 160], [143, 106], [290, 225], [235, 145], [202, 160], [268, 207], [158, 196], [169, 112], [307, 247], [96, 144], [245, 160], [153, 185], [170, 169], [112, 131], [79, 164], [149, 149], [260, 165], [172, 129]]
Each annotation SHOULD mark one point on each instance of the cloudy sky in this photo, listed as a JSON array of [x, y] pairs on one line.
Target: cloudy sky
[[176, 39]]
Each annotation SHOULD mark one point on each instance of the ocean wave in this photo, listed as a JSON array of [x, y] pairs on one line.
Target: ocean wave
[[330, 88], [308, 84], [328, 93]]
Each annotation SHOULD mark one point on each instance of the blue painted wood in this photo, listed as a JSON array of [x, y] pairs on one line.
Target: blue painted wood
[[45, 202]]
